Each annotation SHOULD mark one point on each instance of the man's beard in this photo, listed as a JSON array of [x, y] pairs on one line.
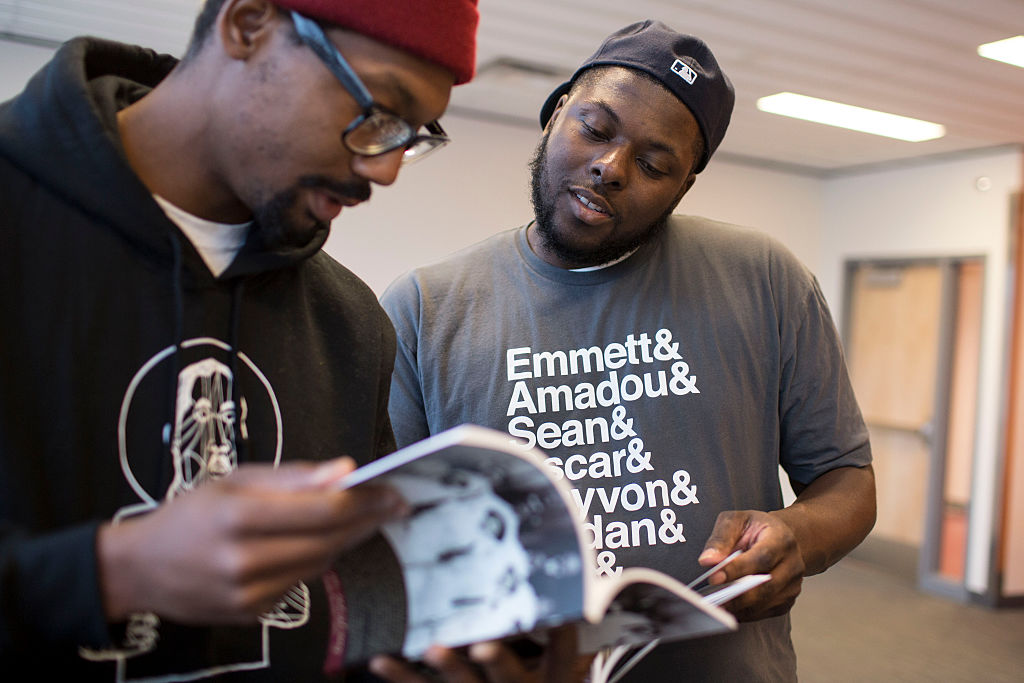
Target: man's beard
[[544, 213], [275, 220]]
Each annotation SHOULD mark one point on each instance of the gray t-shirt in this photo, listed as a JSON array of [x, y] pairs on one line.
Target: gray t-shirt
[[667, 388]]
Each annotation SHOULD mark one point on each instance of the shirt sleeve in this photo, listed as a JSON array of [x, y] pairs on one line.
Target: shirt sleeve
[[49, 590], [401, 301], [821, 427]]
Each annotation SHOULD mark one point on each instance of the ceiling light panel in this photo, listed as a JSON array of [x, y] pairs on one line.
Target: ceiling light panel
[[1010, 50], [850, 117]]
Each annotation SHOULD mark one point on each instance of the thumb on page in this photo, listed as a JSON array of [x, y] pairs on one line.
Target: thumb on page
[[724, 538]]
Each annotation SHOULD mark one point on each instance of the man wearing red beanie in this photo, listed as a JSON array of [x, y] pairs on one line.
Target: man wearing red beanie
[[181, 364]]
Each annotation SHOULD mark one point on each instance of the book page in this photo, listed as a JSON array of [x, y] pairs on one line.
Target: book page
[[641, 605], [723, 593], [492, 546]]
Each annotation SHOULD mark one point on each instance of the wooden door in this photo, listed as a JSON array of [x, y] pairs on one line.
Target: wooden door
[[894, 327]]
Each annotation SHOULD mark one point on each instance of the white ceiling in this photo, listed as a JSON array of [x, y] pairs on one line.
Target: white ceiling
[[917, 58]]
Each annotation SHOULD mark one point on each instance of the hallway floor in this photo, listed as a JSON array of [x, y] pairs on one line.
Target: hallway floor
[[857, 622]]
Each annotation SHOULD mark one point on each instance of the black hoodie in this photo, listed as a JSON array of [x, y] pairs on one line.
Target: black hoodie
[[109, 320]]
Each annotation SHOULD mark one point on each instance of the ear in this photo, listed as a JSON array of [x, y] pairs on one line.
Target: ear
[[558, 108], [244, 25], [687, 184]]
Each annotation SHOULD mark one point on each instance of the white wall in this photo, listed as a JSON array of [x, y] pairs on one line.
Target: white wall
[[940, 209], [18, 61], [479, 185], [474, 187], [787, 206]]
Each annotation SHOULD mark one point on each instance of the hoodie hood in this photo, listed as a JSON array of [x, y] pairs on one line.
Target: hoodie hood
[[63, 132], [67, 118]]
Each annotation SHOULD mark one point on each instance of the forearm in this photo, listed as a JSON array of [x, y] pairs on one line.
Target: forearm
[[49, 593], [832, 515]]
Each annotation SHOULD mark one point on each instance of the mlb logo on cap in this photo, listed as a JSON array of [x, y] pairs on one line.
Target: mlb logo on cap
[[684, 72]]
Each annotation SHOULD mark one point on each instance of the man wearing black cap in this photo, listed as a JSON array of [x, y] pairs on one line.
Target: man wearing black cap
[[174, 339], [668, 364]]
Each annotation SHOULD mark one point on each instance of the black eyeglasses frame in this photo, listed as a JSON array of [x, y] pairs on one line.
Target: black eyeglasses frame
[[374, 117]]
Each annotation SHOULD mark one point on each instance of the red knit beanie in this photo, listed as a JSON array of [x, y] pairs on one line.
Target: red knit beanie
[[440, 31]]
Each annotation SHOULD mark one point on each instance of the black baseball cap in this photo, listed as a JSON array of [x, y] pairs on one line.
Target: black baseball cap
[[682, 63]]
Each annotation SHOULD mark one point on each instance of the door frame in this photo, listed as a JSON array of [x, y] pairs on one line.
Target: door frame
[[927, 563]]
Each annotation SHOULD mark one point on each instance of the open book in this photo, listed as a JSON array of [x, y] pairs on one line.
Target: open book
[[494, 548]]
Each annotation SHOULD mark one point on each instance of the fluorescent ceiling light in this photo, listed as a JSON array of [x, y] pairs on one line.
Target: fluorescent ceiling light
[[1010, 50], [847, 116]]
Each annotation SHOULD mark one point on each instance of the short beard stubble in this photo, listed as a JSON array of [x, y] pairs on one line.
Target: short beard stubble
[[274, 219]]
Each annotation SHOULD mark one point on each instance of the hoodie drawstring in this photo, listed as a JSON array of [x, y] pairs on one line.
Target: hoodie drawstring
[[241, 436], [179, 334]]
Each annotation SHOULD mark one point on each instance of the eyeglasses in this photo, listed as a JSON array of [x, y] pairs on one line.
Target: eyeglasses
[[376, 130]]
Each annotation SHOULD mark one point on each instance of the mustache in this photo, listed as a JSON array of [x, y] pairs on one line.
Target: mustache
[[596, 189], [358, 190]]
